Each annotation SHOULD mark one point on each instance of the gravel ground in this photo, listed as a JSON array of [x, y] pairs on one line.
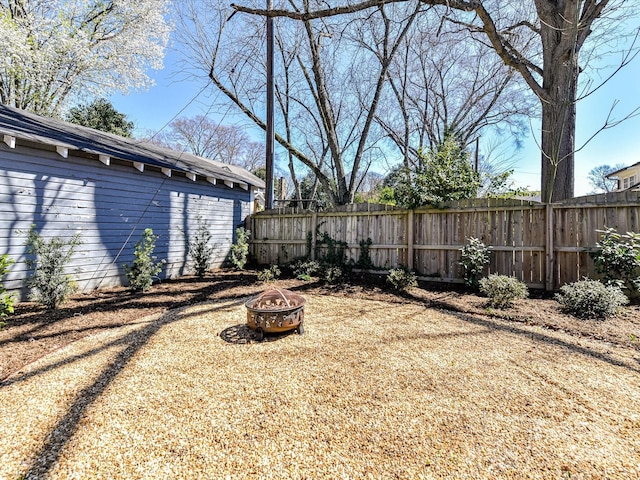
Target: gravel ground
[[372, 390]]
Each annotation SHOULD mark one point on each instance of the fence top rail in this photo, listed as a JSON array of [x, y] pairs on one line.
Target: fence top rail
[[612, 199], [603, 199]]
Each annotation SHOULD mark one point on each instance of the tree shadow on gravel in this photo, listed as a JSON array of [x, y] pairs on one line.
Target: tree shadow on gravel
[[66, 427], [161, 295], [241, 334], [21, 377], [33, 331], [543, 338]]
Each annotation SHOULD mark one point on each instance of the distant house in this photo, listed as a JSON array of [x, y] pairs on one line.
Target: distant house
[[628, 177], [64, 178]]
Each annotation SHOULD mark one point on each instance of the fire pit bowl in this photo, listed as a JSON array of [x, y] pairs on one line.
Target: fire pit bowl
[[275, 311]]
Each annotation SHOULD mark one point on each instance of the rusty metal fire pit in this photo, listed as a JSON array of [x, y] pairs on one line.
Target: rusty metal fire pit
[[276, 311]]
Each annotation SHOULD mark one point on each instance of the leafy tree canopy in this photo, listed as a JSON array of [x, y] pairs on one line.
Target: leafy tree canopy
[[58, 51], [101, 115], [445, 174]]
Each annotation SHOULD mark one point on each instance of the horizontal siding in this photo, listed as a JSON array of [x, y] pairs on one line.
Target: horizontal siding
[[109, 206]]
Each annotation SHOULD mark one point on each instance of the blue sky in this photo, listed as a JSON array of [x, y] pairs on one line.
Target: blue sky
[[168, 99]]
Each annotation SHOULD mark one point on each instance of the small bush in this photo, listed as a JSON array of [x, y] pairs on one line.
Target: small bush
[[268, 275], [503, 290], [305, 269], [145, 267], [6, 300], [49, 283], [240, 249], [200, 251], [617, 259], [591, 299], [332, 273], [402, 279], [473, 258]]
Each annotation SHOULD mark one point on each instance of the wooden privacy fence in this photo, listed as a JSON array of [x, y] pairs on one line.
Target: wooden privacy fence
[[544, 245]]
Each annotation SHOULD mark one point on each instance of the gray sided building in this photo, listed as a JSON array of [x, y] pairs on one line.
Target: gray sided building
[[65, 179]]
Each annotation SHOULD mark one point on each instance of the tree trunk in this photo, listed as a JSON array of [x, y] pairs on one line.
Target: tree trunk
[[564, 26], [558, 137], [560, 46]]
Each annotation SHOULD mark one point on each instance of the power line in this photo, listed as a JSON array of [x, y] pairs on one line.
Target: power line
[[152, 200]]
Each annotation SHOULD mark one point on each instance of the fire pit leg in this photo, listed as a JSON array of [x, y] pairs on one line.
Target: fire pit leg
[[259, 334], [300, 329]]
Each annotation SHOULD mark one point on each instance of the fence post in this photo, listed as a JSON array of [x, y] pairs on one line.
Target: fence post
[[410, 238], [314, 226], [252, 243], [549, 254]]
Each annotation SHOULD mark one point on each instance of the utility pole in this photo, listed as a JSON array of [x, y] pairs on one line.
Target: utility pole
[[477, 162], [268, 198]]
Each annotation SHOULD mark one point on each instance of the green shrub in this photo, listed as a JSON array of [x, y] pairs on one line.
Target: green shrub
[[445, 174], [6, 300], [49, 283], [473, 258], [402, 279], [332, 273], [268, 275], [145, 267], [199, 249], [591, 299], [305, 269], [618, 260], [240, 249], [503, 290]]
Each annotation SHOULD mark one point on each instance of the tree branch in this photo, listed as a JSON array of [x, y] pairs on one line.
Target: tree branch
[[465, 5]]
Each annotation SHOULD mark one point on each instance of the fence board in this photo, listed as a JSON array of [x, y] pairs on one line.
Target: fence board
[[542, 245]]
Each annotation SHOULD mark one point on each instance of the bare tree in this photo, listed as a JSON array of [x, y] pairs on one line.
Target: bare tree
[[598, 178], [443, 83], [551, 67], [331, 91], [203, 137], [253, 155]]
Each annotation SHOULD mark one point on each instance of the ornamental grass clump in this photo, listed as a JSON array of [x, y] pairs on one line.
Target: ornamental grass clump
[[503, 290], [590, 299]]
